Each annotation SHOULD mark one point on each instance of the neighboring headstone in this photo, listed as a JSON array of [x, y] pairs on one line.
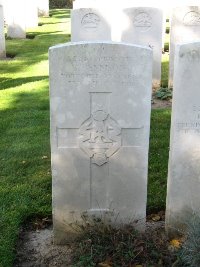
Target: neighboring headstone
[[100, 97], [185, 27], [93, 4], [141, 25], [183, 196], [113, 3], [145, 27], [43, 8], [89, 24], [165, 5], [31, 9], [2, 35], [7, 6], [17, 20]]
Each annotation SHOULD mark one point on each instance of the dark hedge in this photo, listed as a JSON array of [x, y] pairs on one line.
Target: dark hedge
[[60, 3]]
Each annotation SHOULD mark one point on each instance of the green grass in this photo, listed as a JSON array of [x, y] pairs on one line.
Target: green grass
[[25, 177], [165, 59], [158, 159], [25, 174]]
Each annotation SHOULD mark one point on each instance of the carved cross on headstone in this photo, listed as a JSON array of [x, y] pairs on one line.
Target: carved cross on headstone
[[99, 137]]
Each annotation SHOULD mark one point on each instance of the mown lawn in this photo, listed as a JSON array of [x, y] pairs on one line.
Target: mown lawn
[[25, 171]]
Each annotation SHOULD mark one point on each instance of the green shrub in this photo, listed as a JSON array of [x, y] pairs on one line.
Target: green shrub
[[60, 3], [164, 93], [190, 251]]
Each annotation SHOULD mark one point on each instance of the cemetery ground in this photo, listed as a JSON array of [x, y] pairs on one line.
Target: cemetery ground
[[25, 171]]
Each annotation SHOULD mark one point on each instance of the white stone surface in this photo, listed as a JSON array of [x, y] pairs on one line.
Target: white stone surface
[[139, 25], [100, 116], [2, 35], [31, 10], [185, 27], [183, 196], [130, 3], [43, 8], [89, 24], [145, 27], [16, 20]]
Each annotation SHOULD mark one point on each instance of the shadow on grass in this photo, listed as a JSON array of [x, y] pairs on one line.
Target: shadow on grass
[[30, 36], [47, 23], [38, 34], [166, 47], [60, 13], [9, 83], [10, 55]]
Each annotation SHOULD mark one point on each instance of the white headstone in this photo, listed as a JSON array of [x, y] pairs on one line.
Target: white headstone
[[141, 25], [185, 27], [7, 8], [17, 20], [183, 196], [2, 35], [145, 27], [88, 24], [131, 3], [43, 8], [92, 4], [31, 9], [100, 115]]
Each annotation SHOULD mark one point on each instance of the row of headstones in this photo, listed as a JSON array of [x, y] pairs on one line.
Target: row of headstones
[[137, 25], [19, 15], [100, 95]]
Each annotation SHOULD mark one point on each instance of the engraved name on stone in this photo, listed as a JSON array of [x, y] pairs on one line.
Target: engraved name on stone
[[90, 21], [143, 21], [190, 126], [192, 55], [191, 18], [94, 78]]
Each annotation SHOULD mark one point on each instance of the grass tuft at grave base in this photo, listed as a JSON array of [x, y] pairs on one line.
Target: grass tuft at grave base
[[25, 172], [100, 244]]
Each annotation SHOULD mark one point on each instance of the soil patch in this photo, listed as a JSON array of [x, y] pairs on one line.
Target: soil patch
[[159, 104], [35, 248]]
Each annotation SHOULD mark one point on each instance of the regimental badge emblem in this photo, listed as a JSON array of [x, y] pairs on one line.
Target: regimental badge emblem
[[143, 21], [100, 136]]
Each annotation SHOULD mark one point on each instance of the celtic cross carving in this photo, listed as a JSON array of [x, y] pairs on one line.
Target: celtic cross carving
[[100, 136]]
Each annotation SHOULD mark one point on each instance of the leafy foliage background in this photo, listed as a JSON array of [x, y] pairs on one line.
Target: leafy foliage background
[[60, 3]]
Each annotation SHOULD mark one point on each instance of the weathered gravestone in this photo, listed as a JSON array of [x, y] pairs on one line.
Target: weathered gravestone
[[185, 27], [43, 8], [145, 27], [2, 35], [183, 198], [89, 24], [100, 115], [17, 20]]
